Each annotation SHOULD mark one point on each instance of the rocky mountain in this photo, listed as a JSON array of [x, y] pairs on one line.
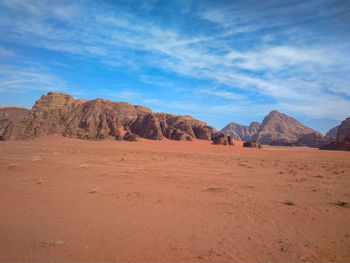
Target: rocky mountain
[[343, 138], [277, 129], [332, 133], [59, 113], [241, 132], [13, 113]]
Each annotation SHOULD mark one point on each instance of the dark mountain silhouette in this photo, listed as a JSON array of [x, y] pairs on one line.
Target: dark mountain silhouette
[[59, 113]]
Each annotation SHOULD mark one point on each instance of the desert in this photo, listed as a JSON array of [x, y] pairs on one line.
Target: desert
[[174, 131], [73, 200]]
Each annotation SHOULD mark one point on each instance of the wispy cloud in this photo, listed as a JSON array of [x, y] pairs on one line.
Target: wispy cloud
[[20, 80], [223, 94]]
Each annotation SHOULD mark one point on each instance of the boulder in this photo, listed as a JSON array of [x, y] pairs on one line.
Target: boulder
[[130, 137], [252, 144], [220, 138]]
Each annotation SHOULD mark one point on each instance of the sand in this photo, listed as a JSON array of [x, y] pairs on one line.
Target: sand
[[70, 200]]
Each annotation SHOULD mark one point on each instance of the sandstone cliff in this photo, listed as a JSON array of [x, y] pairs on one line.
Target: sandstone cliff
[[97, 119]]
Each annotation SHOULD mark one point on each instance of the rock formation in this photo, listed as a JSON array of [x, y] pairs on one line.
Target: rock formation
[[13, 113], [252, 144], [343, 138], [100, 119], [220, 138], [241, 132], [277, 129], [332, 133]]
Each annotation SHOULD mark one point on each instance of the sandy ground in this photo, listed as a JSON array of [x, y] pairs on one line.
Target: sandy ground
[[69, 200]]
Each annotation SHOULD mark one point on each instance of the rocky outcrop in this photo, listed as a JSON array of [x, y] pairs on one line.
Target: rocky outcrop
[[98, 119], [13, 113], [343, 138], [156, 126], [252, 144], [241, 132], [332, 133], [220, 138]]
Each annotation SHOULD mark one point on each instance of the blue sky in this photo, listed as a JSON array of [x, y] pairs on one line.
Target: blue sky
[[219, 61]]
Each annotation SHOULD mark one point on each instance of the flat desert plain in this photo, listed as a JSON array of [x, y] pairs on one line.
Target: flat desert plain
[[70, 200]]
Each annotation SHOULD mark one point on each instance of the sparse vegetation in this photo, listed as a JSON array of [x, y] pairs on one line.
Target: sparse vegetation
[[213, 189], [341, 203], [288, 202], [12, 165], [40, 181]]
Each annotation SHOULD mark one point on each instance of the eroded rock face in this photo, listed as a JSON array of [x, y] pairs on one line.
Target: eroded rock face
[[241, 132], [332, 133], [98, 119], [11, 118], [343, 138], [13, 113], [344, 131], [157, 126]]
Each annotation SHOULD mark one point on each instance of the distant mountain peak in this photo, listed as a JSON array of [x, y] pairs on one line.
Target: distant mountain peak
[[241, 132], [278, 128]]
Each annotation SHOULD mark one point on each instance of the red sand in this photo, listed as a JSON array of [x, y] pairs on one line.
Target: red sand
[[165, 201]]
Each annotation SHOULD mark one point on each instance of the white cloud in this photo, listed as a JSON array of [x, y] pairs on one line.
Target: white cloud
[[21, 80], [222, 94], [281, 57]]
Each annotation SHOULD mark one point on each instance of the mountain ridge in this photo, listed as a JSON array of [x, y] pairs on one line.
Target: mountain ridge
[[278, 129], [99, 119]]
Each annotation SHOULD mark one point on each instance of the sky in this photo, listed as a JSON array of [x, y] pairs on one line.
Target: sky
[[219, 61]]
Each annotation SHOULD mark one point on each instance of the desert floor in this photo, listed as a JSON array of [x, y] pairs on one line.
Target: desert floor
[[70, 200]]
